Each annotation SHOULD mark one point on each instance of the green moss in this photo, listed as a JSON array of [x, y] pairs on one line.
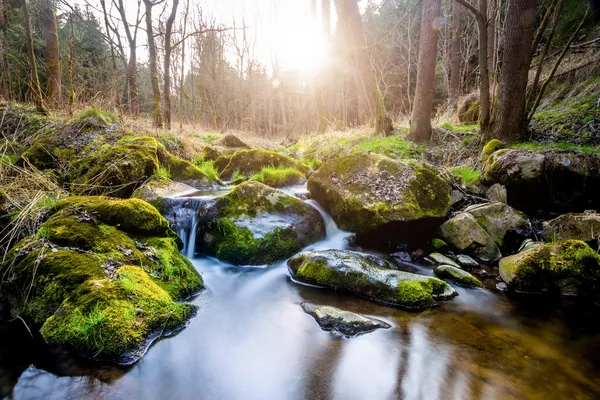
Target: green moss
[[457, 275], [94, 119], [467, 175], [469, 109], [39, 155], [438, 244], [181, 170], [162, 173], [279, 176], [209, 153], [131, 215], [491, 147], [394, 146], [114, 317], [250, 162], [312, 163], [460, 128], [2, 199], [418, 292], [536, 146], [210, 138], [172, 143], [208, 169]]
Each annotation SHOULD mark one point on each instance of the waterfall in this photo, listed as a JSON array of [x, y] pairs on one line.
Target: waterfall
[[335, 237]]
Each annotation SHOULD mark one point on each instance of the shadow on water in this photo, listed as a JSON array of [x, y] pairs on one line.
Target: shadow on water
[[251, 340]]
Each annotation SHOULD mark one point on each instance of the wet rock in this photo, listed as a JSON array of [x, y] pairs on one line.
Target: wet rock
[[375, 196], [497, 193], [501, 286], [584, 226], [548, 180], [442, 259], [564, 267], [210, 153], [457, 275], [402, 256], [464, 233], [155, 191], [368, 276], [346, 323], [256, 225], [466, 262], [84, 285], [500, 219]]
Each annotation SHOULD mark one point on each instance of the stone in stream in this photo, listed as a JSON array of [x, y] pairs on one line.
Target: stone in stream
[[457, 275], [250, 162], [442, 259], [501, 221], [156, 190], [464, 233], [256, 225], [584, 227], [466, 262], [546, 180], [380, 198], [497, 193], [368, 276], [102, 278], [343, 322], [568, 267]]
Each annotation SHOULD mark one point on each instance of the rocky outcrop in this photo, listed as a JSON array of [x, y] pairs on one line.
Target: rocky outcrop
[[548, 180], [368, 276], [466, 235], [584, 227], [255, 225], [101, 278], [342, 322], [457, 275], [370, 194], [567, 267]]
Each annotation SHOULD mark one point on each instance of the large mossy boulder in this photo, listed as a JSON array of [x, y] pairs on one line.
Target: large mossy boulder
[[502, 222], [101, 278], [579, 226], [568, 267], [457, 275], [372, 193], [547, 180], [466, 235], [251, 162], [368, 276], [96, 155], [256, 225]]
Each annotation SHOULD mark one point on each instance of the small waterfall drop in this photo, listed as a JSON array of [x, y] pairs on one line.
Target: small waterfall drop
[[335, 238]]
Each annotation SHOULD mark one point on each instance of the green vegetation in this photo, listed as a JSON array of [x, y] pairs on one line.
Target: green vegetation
[[312, 163], [457, 275], [468, 176], [210, 138], [279, 176], [438, 244], [237, 177], [172, 143], [536, 146], [94, 119], [208, 169], [251, 162], [461, 128], [162, 173]]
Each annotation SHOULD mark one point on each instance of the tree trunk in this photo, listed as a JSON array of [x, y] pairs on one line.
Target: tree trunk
[[156, 113], [54, 89], [34, 81], [509, 114], [420, 121], [167, 64], [484, 83], [4, 92], [455, 56]]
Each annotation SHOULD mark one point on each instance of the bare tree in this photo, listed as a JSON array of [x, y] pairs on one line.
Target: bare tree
[[4, 80], [34, 81], [156, 112], [509, 113], [420, 122], [455, 55], [167, 63], [53, 90]]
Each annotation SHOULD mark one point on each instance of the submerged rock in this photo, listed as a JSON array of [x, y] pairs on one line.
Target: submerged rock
[[250, 162], [568, 267], [457, 275], [101, 278], [255, 225], [548, 180], [346, 323], [368, 276], [372, 194], [442, 259], [585, 227], [464, 233]]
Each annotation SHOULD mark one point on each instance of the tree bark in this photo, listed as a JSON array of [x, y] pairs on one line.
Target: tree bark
[[167, 64], [4, 85], [455, 56], [509, 114], [156, 112], [54, 88], [133, 100], [420, 121], [34, 81], [484, 76]]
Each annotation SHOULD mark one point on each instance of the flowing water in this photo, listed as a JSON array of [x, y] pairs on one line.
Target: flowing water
[[251, 340]]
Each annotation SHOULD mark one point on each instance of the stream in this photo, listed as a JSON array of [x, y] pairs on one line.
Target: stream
[[251, 340]]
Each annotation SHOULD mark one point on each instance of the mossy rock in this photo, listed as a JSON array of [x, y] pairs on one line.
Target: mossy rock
[[501, 222], [94, 119], [280, 176], [457, 275], [374, 193], [255, 225], [156, 190], [490, 148], [100, 278], [230, 140], [210, 153], [368, 276], [469, 109], [464, 233], [579, 226], [181, 170], [568, 267], [546, 180], [250, 162]]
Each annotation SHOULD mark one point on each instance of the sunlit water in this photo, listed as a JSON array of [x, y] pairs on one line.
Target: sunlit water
[[251, 340]]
